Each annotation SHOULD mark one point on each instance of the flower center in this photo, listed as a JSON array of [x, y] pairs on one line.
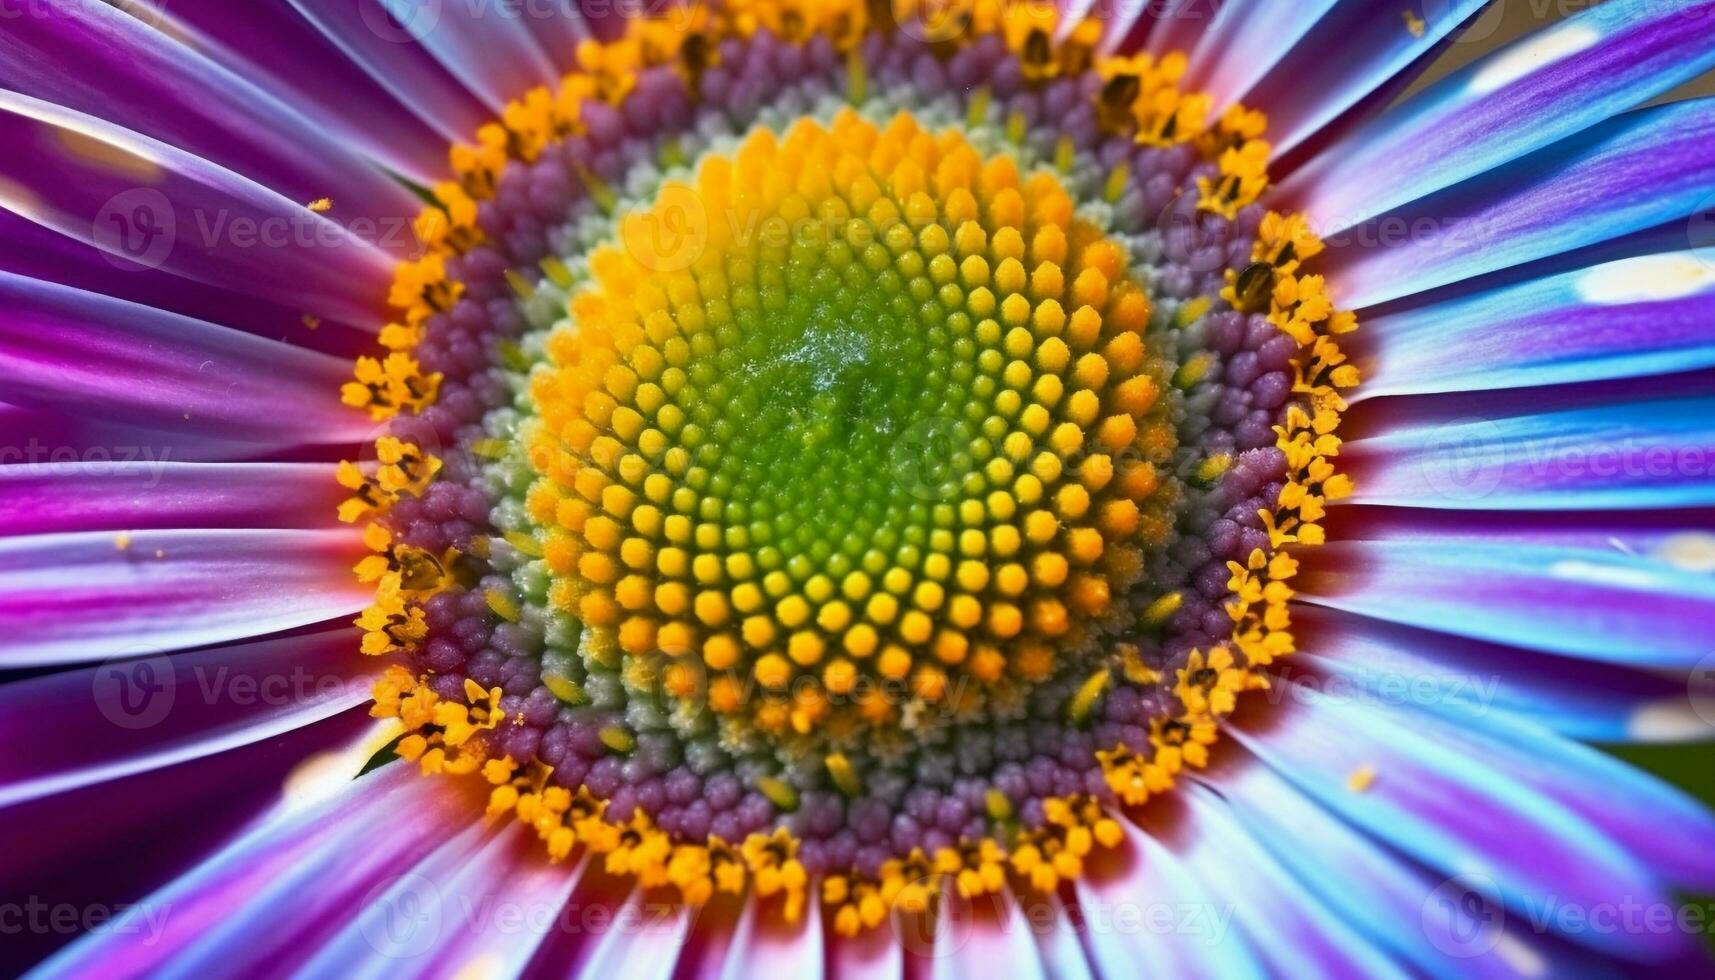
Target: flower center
[[893, 436], [830, 450]]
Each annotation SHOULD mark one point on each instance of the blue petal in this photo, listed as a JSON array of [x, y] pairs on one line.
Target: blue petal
[[1631, 173], [1435, 799], [1352, 52], [1648, 315], [1399, 665], [1296, 935], [1558, 82], [1202, 941], [1393, 901], [1582, 602], [1629, 455]]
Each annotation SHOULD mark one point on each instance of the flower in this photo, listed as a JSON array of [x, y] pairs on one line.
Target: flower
[[817, 483]]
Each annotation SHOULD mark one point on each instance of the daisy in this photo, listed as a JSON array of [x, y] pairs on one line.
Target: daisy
[[709, 489]]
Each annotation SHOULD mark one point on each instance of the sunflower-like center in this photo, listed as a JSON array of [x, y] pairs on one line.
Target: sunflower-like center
[[831, 450], [891, 435]]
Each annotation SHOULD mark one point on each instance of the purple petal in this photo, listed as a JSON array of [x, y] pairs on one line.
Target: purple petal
[[286, 55], [1397, 903], [142, 494], [86, 354], [33, 251], [1628, 174], [973, 934], [34, 437], [1560, 81], [319, 863], [1435, 796], [107, 846], [1356, 49], [487, 47], [118, 719], [374, 43], [1599, 604], [147, 204], [1646, 315], [1576, 698], [764, 946], [81, 598], [1247, 39], [1293, 936], [871, 955], [95, 60], [1184, 927], [1626, 455]]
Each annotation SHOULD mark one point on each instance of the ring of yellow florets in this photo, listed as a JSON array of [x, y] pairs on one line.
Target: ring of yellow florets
[[865, 298], [460, 726]]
